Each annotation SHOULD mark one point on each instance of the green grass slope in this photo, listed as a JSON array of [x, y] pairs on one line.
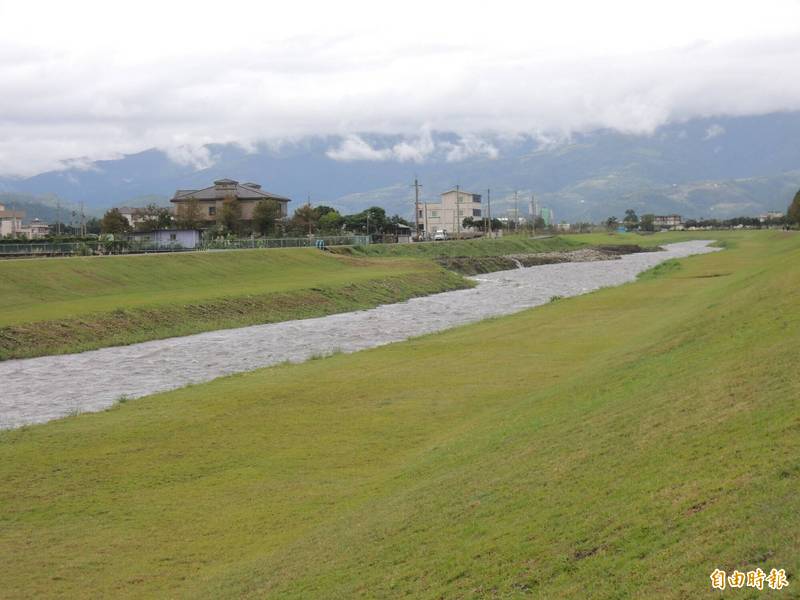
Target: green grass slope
[[51, 306], [620, 444]]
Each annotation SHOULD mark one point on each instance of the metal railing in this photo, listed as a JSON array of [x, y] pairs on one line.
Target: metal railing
[[136, 247]]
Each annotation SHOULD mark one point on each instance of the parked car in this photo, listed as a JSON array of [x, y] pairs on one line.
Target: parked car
[[440, 235]]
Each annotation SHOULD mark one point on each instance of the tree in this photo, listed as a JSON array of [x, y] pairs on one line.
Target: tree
[[230, 217], [304, 221], [331, 222], [538, 222], [612, 223], [114, 222], [630, 220], [373, 220], [154, 217], [266, 215], [189, 215], [93, 225], [323, 210], [793, 214], [648, 223]]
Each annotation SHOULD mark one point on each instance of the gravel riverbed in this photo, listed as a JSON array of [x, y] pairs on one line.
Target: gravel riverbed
[[40, 389]]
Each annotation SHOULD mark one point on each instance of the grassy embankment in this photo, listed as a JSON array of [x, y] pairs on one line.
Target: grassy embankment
[[619, 444], [50, 306]]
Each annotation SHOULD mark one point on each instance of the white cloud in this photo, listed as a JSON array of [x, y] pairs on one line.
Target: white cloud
[[354, 147], [85, 82], [197, 157], [713, 131], [469, 146]]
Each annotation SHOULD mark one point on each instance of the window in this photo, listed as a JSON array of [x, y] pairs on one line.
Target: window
[[476, 198], [476, 212], [212, 210], [173, 237], [420, 214], [434, 213]]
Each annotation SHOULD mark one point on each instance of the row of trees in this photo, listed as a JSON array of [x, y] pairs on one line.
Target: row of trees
[[647, 221], [267, 220], [325, 220]]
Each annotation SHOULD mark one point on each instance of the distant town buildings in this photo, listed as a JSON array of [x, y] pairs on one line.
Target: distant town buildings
[[11, 225], [210, 200], [547, 216], [451, 210], [35, 230], [770, 216], [667, 221]]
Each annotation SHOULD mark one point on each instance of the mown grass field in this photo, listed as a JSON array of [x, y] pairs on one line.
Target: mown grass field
[[50, 306], [622, 444]]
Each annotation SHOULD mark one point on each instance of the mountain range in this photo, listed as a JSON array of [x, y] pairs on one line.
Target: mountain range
[[711, 167]]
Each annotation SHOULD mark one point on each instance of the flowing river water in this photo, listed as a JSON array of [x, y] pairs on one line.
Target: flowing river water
[[36, 390]]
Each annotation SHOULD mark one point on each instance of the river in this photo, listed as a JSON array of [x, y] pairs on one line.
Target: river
[[40, 389]]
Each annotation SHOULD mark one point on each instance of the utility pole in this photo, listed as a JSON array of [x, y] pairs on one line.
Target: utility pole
[[308, 204], [489, 211], [458, 220], [83, 221], [516, 212], [533, 221], [416, 207], [426, 220], [58, 213]]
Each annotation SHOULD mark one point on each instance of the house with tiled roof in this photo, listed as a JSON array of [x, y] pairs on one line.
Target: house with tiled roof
[[210, 200]]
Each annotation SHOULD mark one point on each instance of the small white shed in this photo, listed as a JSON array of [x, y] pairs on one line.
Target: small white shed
[[169, 238]]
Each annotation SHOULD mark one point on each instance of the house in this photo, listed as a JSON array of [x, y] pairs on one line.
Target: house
[[133, 215], [168, 238], [668, 221], [36, 229], [10, 221], [451, 210], [771, 215], [209, 201]]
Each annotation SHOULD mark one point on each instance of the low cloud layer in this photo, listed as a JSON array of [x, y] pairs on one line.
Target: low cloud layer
[[90, 81]]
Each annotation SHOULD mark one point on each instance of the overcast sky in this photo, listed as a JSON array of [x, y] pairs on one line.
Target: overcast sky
[[95, 79]]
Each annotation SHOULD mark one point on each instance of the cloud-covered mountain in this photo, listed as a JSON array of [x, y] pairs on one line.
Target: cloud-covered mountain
[[700, 168]]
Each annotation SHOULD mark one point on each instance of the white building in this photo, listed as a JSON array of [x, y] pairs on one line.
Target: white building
[[168, 238], [449, 213], [10, 221], [36, 229], [771, 215], [668, 221]]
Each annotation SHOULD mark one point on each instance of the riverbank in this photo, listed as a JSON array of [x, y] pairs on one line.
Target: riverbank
[[45, 388], [57, 306], [476, 265], [573, 450]]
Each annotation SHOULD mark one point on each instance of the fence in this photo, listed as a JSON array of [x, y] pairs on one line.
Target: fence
[[135, 247], [243, 243]]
